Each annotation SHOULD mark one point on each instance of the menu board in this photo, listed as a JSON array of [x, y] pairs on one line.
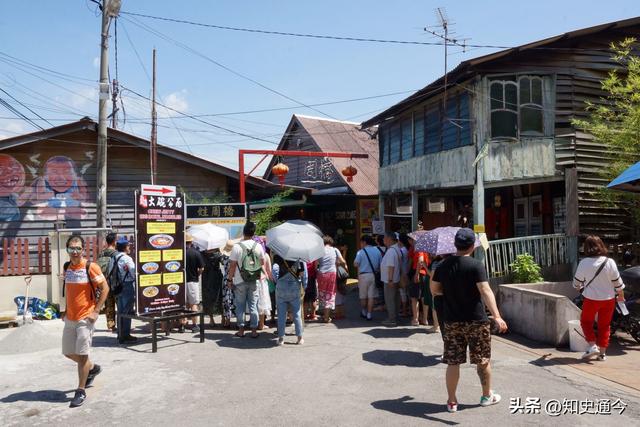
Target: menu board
[[160, 252], [231, 216]]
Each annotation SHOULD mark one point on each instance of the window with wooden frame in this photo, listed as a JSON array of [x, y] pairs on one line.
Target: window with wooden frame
[[517, 107]]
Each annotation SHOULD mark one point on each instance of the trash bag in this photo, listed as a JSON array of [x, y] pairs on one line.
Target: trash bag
[[39, 309]]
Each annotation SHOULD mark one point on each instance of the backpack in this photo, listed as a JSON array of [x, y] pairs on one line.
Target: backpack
[[94, 293], [107, 262], [250, 264], [116, 284]]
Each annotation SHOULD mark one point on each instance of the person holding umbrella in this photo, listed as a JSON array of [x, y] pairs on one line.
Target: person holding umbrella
[[289, 287]]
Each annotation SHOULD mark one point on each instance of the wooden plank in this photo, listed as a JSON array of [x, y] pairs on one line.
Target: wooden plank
[[47, 258], [40, 260]]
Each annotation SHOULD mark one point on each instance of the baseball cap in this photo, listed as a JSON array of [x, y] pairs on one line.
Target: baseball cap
[[465, 238], [122, 241]]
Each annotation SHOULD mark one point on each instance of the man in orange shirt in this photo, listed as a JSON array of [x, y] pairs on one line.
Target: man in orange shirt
[[82, 280]]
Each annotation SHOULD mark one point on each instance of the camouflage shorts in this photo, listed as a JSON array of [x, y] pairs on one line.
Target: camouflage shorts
[[460, 335]]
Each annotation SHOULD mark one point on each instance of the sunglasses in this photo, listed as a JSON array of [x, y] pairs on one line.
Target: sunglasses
[[74, 249]]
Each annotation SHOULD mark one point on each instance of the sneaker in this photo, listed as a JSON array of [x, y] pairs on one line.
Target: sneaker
[[280, 341], [195, 329], [78, 398], [181, 329], [602, 357], [369, 318], [452, 407], [592, 351], [128, 339], [363, 314], [389, 323], [93, 373], [300, 341], [492, 399]]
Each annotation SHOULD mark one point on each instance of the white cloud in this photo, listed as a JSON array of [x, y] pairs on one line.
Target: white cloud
[[83, 98], [13, 128], [96, 62], [176, 100]]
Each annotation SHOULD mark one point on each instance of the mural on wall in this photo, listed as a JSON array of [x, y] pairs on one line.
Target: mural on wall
[[57, 191]]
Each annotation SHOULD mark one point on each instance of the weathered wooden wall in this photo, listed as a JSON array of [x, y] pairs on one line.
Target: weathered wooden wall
[[72, 174], [446, 169]]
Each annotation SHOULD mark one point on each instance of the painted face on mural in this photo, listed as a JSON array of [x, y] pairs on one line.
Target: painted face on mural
[[60, 173], [11, 175]]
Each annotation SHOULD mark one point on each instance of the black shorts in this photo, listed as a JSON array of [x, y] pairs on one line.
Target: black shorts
[[415, 290]]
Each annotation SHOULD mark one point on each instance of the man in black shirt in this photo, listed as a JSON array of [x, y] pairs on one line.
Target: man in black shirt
[[194, 266], [462, 281]]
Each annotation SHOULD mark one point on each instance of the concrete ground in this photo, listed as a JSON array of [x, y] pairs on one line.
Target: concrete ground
[[351, 373]]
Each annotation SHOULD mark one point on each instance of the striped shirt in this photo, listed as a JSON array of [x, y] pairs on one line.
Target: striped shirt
[[605, 285]]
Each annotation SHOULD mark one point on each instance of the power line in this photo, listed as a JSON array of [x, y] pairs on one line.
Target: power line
[[202, 121], [15, 111], [219, 64], [344, 38], [19, 102]]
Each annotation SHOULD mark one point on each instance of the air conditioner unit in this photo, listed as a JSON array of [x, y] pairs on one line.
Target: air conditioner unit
[[403, 205], [436, 206]]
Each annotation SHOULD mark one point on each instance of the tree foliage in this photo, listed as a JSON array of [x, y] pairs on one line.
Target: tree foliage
[[266, 218], [525, 270], [615, 121]]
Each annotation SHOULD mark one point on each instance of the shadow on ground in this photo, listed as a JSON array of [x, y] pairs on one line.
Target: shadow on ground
[[409, 359], [53, 396], [266, 339], [407, 407], [397, 332]]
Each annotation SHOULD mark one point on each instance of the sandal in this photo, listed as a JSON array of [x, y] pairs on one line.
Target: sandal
[[254, 335], [237, 334]]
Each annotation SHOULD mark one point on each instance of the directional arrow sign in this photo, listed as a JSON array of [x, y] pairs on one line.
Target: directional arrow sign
[[158, 190]]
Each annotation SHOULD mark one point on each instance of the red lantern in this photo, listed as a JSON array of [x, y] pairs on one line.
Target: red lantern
[[280, 170], [349, 172]]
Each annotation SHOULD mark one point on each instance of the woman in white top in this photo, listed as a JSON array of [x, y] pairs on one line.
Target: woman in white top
[[598, 277]]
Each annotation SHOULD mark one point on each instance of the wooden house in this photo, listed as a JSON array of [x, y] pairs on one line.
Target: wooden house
[[343, 209], [496, 144], [50, 176]]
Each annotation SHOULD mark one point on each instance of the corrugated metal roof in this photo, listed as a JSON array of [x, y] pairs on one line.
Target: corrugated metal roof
[[334, 135], [465, 69]]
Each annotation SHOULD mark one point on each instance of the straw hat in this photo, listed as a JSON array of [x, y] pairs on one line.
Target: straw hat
[[226, 250], [188, 238]]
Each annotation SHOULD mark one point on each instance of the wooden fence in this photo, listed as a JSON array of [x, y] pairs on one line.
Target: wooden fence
[[547, 250], [25, 256]]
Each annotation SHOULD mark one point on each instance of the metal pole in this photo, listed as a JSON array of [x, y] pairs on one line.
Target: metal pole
[[101, 175], [241, 176], [154, 124]]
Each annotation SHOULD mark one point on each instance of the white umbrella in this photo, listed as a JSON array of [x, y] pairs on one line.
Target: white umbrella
[[208, 236], [306, 226], [295, 243]]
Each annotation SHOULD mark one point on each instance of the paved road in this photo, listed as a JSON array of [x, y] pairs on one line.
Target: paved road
[[353, 373]]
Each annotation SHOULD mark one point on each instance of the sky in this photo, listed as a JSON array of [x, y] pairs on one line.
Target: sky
[[203, 70]]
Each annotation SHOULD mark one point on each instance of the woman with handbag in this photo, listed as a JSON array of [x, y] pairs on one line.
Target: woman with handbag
[[599, 281], [326, 277]]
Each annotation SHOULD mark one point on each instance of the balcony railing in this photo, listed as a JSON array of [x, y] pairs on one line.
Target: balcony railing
[[547, 250]]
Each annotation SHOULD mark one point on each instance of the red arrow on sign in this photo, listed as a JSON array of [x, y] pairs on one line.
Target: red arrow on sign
[[162, 190]]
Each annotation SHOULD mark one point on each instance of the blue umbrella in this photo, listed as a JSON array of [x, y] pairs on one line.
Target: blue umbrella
[[439, 241], [629, 180]]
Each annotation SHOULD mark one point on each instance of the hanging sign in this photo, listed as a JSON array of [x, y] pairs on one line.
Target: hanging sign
[[160, 220]]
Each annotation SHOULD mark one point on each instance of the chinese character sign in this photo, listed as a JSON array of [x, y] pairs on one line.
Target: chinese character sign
[[161, 253], [231, 216]]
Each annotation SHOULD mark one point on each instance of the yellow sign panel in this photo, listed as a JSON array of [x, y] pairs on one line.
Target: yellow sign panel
[[478, 228], [150, 280], [161, 227], [168, 278], [149, 256], [172, 255]]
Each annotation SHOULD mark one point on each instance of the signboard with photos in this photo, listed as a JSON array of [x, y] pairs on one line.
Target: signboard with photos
[[160, 219]]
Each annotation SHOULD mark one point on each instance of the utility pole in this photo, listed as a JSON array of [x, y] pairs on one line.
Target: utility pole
[[110, 9], [154, 125], [445, 26]]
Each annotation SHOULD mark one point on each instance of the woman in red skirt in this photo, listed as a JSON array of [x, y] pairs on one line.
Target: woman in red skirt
[[326, 277]]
